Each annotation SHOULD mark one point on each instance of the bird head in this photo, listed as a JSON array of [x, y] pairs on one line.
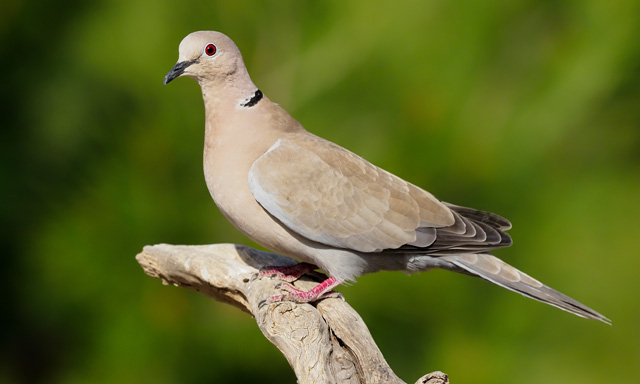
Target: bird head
[[206, 56]]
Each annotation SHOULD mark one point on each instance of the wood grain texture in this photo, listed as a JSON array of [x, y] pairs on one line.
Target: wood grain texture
[[325, 342]]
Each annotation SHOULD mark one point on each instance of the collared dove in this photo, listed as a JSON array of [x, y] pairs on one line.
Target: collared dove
[[307, 198]]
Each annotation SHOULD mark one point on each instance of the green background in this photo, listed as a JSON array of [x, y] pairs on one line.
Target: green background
[[530, 109]]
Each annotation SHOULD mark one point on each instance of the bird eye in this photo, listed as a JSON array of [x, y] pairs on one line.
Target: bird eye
[[210, 50]]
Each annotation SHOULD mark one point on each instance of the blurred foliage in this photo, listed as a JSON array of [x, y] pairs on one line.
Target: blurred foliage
[[527, 108]]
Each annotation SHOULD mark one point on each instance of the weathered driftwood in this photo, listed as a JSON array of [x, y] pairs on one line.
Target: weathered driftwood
[[326, 342]]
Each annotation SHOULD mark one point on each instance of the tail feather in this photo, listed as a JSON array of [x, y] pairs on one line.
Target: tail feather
[[498, 272]]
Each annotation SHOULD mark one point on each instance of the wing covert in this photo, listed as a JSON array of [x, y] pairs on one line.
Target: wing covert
[[330, 195]]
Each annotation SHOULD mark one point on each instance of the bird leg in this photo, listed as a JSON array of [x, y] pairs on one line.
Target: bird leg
[[320, 291], [289, 273]]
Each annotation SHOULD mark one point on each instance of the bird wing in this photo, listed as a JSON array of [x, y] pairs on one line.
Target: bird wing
[[330, 195]]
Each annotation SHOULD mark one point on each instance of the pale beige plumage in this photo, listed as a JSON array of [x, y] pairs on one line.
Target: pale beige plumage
[[331, 196], [310, 199]]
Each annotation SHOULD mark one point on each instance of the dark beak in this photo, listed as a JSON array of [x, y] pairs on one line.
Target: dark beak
[[177, 70]]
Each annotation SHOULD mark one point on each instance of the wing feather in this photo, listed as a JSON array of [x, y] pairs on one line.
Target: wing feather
[[332, 196]]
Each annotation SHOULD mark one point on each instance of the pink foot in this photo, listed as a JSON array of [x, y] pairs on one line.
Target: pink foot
[[288, 273], [320, 291]]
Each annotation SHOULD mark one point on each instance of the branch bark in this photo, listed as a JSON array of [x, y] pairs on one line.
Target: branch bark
[[324, 342]]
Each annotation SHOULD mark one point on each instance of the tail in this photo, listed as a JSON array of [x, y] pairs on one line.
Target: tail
[[498, 272]]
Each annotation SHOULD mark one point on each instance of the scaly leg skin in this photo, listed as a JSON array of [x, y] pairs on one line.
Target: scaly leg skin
[[289, 273], [320, 291]]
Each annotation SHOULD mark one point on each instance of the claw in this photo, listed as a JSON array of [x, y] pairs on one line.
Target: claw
[[320, 291]]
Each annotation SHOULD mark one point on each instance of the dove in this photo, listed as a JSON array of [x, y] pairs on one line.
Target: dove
[[312, 200]]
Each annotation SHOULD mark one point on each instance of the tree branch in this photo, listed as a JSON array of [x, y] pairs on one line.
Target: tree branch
[[324, 342]]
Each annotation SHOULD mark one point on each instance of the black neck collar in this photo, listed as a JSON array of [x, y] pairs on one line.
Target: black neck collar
[[253, 100]]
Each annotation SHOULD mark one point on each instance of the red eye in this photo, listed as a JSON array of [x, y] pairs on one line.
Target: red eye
[[210, 50]]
